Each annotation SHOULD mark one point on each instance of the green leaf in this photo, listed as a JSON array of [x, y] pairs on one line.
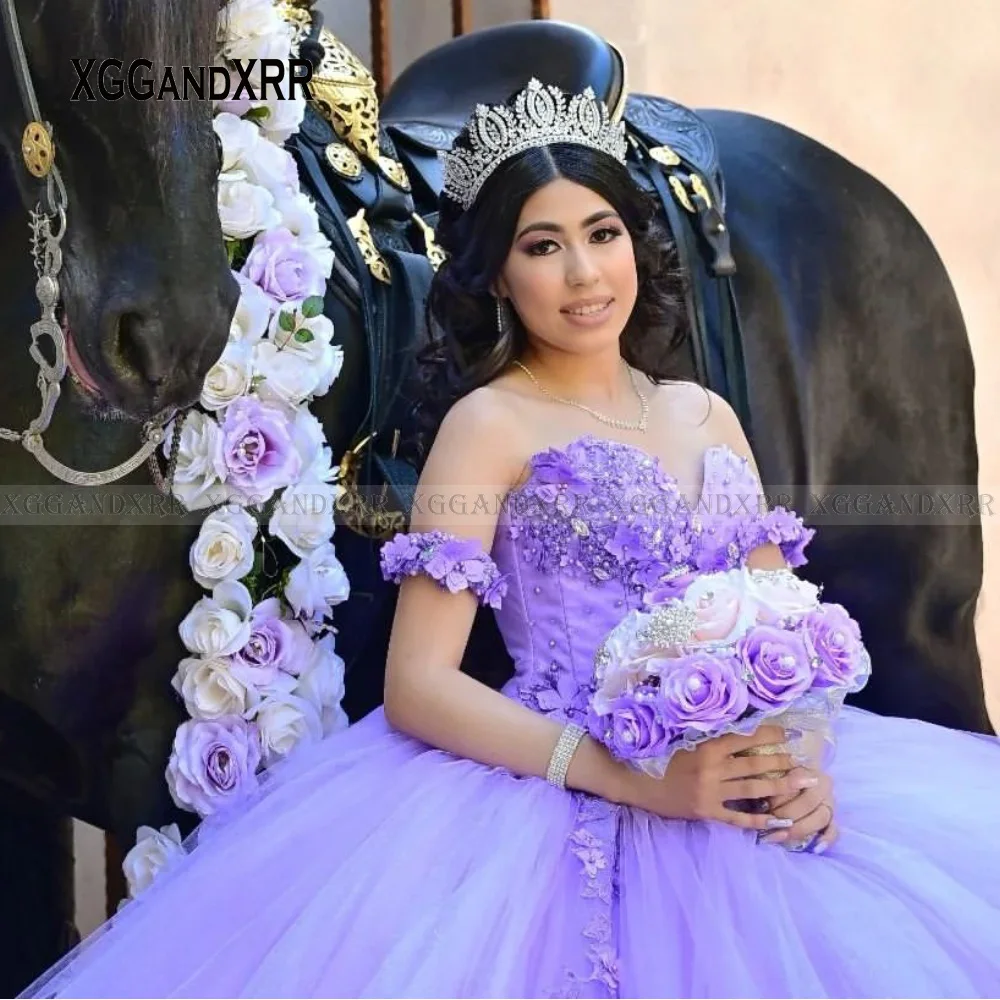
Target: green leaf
[[312, 306], [304, 336], [286, 321], [256, 380], [257, 114]]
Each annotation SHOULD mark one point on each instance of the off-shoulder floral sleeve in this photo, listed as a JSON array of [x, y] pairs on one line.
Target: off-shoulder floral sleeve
[[737, 519], [454, 563]]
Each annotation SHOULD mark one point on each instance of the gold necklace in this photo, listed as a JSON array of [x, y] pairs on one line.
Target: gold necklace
[[623, 425]]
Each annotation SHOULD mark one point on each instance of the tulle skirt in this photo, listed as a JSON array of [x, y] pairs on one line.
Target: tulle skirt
[[376, 866]]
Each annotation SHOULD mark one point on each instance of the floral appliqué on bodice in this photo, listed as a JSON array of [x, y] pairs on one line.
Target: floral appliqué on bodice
[[596, 526]]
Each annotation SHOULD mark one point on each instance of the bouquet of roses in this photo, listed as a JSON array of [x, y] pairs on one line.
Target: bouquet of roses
[[724, 654]]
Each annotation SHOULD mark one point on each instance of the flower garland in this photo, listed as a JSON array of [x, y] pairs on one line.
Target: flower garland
[[263, 675]]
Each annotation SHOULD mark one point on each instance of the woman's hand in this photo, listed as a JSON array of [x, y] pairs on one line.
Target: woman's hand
[[708, 782], [812, 814]]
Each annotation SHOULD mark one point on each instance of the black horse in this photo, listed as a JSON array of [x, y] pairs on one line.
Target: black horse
[[146, 297], [93, 613]]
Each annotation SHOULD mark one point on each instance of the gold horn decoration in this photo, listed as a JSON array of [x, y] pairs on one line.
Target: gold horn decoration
[[37, 149], [435, 254], [358, 225], [343, 91]]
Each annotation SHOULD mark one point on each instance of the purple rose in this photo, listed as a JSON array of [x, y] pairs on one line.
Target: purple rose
[[283, 268], [833, 640], [776, 665], [702, 691], [258, 453], [634, 729], [213, 764], [275, 646]]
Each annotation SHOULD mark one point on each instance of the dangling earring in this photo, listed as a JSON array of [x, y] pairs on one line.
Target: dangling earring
[[500, 321]]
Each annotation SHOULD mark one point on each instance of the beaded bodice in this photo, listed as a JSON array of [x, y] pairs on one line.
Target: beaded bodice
[[596, 525]]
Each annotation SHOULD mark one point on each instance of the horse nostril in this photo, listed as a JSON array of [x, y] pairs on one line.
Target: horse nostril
[[133, 349]]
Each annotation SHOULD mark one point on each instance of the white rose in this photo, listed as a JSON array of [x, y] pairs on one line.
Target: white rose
[[283, 117], [778, 594], [230, 376], [322, 685], [272, 167], [153, 851], [298, 213], [319, 329], [723, 611], [287, 377], [218, 625], [303, 516], [196, 482], [275, 43], [329, 366], [245, 209], [321, 250], [210, 689], [317, 583], [250, 29], [286, 720], [224, 547], [310, 442], [238, 137], [253, 311]]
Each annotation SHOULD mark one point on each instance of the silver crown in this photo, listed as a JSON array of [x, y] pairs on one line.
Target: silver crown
[[541, 115]]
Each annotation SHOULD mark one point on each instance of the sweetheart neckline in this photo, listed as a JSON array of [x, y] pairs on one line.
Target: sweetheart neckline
[[628, 446]]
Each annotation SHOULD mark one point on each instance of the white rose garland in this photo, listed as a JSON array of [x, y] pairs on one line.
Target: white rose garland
[[262, 676]]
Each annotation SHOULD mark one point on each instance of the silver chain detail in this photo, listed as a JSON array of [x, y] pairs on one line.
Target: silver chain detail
[[623, 425]]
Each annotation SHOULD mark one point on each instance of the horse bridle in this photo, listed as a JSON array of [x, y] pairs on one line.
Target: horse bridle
[[38, 153]]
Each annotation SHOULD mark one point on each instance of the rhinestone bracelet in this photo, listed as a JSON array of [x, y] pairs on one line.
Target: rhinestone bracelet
[[562, 754]]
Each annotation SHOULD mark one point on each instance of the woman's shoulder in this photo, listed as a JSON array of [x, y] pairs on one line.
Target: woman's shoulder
[[691, 405], [483, 434]]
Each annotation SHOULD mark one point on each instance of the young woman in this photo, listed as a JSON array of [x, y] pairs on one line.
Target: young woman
[[463, 841]]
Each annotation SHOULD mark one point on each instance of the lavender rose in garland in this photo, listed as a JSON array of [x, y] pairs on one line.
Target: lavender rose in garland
[[258, 455], [702, 691], [833, 641], [213, 764], [276, 652], [283, 268], [776, 666]]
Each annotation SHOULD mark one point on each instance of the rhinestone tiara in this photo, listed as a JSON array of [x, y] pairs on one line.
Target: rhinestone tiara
[[541, 115]]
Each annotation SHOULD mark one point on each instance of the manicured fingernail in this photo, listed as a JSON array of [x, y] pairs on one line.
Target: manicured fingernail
[[773, 838], [774, 823], [806, 782], [821, 847]]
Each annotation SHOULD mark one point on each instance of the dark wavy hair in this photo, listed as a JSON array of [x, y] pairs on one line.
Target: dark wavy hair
[[466, 350]]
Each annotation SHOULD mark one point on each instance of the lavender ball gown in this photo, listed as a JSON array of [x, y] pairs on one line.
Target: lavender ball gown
[[376, 866]]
